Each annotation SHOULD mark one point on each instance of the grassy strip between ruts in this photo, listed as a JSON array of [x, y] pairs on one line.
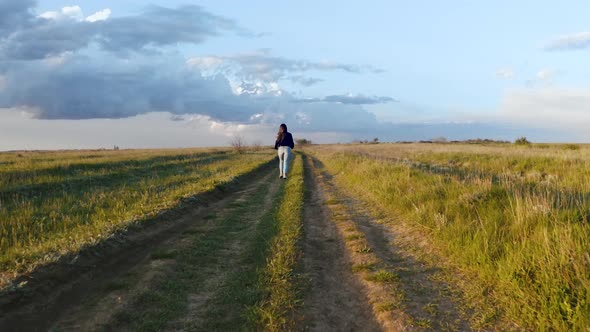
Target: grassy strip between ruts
[[279, 281]]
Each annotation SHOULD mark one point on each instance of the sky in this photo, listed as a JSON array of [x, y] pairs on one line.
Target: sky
[[137, 74]]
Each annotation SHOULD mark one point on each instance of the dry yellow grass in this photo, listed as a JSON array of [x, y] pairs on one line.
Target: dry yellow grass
[[515, 217]]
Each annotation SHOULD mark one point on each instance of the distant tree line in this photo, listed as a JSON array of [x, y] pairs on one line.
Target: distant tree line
[[366, 141]]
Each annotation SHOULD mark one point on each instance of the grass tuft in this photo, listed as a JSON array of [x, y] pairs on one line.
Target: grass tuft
[[383, 276]]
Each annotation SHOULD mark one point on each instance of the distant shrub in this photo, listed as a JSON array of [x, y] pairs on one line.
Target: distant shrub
[[571, 147], [302, 142], [440, 139], [485, 141], [522, 141]]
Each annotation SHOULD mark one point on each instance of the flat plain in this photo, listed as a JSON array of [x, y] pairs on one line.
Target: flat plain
[[359, 237]]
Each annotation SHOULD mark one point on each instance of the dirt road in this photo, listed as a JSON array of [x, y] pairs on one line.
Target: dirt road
[[196, 268]]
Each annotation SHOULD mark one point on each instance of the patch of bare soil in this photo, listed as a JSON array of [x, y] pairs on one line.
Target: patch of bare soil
[[335, 299]]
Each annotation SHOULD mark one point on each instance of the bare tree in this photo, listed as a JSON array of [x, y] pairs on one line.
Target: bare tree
[[238, 143]]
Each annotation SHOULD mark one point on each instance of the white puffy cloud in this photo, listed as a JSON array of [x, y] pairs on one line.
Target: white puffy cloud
[[99, 16], [74, 12], [68, 12]]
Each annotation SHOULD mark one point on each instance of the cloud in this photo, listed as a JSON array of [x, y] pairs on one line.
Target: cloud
[[15, 15], [262, 66], [205, 63], [52, 33], [99, 16], [549, 107], [44, 71], [505, 73], [350, 99], [547, 74], [68, 12], [154, 130], [575, 41], [84, 89], [161, 130], [543, 78], [305, 81], [79, 90]]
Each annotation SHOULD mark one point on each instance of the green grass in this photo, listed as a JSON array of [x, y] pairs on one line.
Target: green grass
[[515, 219], [383, 276], [278, 280], [353, 237], [258, 292], [54, 203], [387, 306], [363, 267], [166, 299], [244, 288]]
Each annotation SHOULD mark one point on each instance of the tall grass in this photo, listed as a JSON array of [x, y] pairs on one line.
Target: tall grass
[[55, 203], [526, 239]]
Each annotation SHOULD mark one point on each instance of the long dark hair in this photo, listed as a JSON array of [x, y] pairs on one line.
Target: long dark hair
[[282, 133]]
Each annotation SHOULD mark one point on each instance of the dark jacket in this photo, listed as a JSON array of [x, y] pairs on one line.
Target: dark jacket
[[287, 141]]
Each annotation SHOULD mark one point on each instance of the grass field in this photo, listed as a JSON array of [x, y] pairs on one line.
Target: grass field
[[361, 236], [53, 203], [515, 218]]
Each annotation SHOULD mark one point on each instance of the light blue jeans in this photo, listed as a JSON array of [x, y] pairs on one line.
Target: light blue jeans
[[284, 158]]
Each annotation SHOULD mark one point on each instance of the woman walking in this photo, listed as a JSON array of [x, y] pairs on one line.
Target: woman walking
[[284, 144]]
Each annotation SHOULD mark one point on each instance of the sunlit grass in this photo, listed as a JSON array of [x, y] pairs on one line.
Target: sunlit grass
[[52, 203], [278, 279], [515, 217]]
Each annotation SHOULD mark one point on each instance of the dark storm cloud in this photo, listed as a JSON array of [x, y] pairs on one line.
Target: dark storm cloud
[[82, 91], [77, 90], [349, 99], [42, 70], [36, 38], [14, 15]]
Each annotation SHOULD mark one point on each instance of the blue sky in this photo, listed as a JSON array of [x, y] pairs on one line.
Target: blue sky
[[520, 67]]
